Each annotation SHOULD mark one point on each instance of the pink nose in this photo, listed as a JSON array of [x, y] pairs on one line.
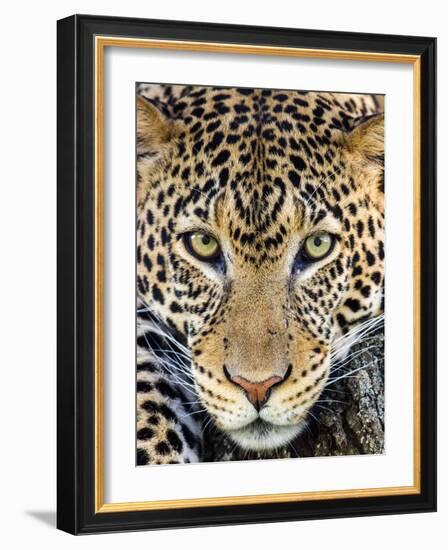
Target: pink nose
[[257, 392]]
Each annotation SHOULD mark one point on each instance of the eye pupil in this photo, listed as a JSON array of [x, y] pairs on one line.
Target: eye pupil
[[206, 240], [317, 241]]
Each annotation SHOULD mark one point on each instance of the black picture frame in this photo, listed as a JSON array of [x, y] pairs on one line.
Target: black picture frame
[[76, 261]]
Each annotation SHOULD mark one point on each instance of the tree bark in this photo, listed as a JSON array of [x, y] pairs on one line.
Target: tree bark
[[348, 418]]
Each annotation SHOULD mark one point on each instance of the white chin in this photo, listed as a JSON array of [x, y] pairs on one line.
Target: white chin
[[262, 436]]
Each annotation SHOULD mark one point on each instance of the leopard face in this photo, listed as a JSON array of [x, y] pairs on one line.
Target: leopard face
[[260, 241]]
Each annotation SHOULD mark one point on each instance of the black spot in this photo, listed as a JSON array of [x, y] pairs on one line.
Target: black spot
[[280, 97], [268, 135], [294, 144], [149, 217], [165, 389], [150, 242], [339, 267], [319, 158], [233, 138], [365, 291], [245, 159], [165, 236], [147, 262], [370, 258], [154, 420], [149, 406], [215, 142], [185, 174], [336, 195], [371, 226], [160, 199], [241, 108], [163, 448], [353, 304], [157, 294], [337, 211], [142, 341], [221, 108], [175, 307], [223, 177], [213, 126], [198, 112], [376, 277], [146, 366], [300, 102], [352, 209], [142, 457], [221, 158], [199, 168], [143, 387], [167, 412], [294, 178], [210, 115], [360, 228], [342, 321], [345, 189], [245, 91], [198, 102], [298, 162], [144, 434], [174, 441], [221, 97]]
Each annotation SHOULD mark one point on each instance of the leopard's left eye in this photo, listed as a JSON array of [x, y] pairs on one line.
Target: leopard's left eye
[[202, 246], [318, 245]]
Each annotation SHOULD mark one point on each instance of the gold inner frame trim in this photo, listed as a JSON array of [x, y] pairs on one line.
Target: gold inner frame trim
[[101, 42]]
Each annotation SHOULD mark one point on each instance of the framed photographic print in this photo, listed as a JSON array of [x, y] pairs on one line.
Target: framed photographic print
[[246, 263]]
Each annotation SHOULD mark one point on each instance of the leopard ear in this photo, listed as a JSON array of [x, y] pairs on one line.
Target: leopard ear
[[154, 128], [364, 149], [364, 140]]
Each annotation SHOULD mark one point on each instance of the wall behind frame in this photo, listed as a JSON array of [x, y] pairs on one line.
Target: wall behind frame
[[27, 288]]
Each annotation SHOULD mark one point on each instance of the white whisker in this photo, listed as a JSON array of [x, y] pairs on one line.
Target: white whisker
[[351, 357], [200, 411], [347, 375]]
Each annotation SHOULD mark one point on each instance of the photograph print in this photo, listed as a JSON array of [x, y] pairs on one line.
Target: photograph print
[[260, 274]]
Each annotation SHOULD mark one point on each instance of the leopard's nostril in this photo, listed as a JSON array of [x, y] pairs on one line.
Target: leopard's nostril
[[257, 393]]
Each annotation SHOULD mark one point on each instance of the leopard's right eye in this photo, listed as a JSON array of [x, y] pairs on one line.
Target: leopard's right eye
[[202, 246], [318, 245], [315, 248]]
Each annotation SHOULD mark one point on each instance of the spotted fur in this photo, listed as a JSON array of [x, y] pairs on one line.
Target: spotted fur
[[260, 170]]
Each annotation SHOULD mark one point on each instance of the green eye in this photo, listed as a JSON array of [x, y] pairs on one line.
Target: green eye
[[318, 245], [202, 246]]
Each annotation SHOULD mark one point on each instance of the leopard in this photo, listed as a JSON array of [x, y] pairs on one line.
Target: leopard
[[260, 258]]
